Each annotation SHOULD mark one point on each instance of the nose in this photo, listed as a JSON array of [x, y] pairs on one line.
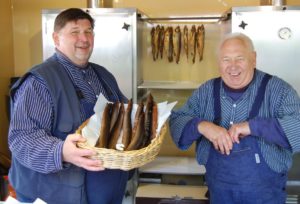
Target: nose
[[233, 63], [83, 36]]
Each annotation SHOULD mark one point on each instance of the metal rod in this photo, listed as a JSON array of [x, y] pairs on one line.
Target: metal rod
[[183, 18], [95, 3]]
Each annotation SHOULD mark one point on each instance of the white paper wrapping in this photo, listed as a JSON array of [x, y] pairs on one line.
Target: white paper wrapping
[[92, 129]]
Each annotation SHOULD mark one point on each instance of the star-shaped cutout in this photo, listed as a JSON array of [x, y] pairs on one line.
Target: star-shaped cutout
[[243, 25], [125, 26]]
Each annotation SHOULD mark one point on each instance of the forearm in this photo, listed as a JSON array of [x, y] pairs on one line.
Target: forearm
[[190, 132], [270, 130], [36, 150]]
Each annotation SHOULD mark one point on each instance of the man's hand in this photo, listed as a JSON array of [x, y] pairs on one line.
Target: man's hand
[[79, 157], [217, 135], [239, 130]]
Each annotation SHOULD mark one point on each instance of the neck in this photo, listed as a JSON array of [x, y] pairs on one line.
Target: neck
[[62, 55]]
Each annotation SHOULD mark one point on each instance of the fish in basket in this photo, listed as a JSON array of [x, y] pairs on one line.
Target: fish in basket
[[129, 135]]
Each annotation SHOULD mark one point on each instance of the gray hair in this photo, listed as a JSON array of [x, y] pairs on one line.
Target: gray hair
[[239, 36]]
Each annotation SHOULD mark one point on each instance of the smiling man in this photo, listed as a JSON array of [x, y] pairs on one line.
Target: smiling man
[[246, 125], [49, 104]]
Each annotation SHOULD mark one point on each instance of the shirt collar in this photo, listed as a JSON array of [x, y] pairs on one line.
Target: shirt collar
[[62, 58]]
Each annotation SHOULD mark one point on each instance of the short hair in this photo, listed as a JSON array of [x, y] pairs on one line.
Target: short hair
[[239, 36], [71, 14]]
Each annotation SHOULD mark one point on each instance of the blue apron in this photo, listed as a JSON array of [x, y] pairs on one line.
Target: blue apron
[[243, 176], [108, 186]]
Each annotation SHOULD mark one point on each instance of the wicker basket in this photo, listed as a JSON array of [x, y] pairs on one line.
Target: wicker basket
[[126, 160]]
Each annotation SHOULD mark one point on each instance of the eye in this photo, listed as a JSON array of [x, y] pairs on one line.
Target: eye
[[89, 32], [240, 59], [75, 32], [225, 59]]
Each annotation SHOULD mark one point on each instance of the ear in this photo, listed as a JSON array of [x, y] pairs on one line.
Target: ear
[[254, 58], [55, 38]]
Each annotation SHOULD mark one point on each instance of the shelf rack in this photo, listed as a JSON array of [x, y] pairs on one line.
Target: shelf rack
[[176, 85]]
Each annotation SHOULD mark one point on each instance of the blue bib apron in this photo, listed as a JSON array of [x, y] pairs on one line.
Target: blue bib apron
[[108, 186], [243, 176]]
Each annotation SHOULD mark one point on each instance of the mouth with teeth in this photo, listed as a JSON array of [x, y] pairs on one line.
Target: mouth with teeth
[[234, 74]]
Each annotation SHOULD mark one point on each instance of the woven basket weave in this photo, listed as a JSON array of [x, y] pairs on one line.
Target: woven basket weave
[[126, 160]]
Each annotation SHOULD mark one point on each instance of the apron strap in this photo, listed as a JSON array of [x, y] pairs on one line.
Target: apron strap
[[110, 94], [217, 103], [260, 96]]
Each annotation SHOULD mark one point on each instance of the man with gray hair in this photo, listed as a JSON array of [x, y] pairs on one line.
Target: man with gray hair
[[246, 125]]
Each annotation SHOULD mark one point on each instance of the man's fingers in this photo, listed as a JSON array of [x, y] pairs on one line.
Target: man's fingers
[[90, 164]]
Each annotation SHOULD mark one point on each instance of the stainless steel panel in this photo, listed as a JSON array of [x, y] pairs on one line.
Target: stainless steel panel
[[275, 54]]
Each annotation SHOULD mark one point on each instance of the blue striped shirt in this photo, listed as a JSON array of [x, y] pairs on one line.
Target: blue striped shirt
[[30, 139], [281, 102]]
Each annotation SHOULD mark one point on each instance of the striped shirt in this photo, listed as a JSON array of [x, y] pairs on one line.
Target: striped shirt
[[281, 102], [32, 118]]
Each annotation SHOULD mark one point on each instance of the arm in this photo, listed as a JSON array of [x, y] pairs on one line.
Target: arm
[[270, 130], [289, 118], [186, 124], [196, 128], [282, 127], [181, 124], [267, 128], [29, 134], [29, 139]]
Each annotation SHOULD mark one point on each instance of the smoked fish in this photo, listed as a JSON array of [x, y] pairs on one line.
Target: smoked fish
[[117, 128], [154, 120], [186, 41], [152, 32], [157, 41], [200, 41], [161, 41], [177, 43], [127, 127], [104, 136], [137, 138], [114, 115], [192, 43], [148, 120], [168, 43]]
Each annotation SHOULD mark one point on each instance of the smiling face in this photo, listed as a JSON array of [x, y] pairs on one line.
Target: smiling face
[[237, 62], [76, 41]]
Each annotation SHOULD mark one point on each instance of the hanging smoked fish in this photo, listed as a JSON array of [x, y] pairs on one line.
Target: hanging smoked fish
[[161, 41], [186, 41], [168, 43], [153, 43], [177, 43], [157, 40], [200, 41], [193, 44]]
